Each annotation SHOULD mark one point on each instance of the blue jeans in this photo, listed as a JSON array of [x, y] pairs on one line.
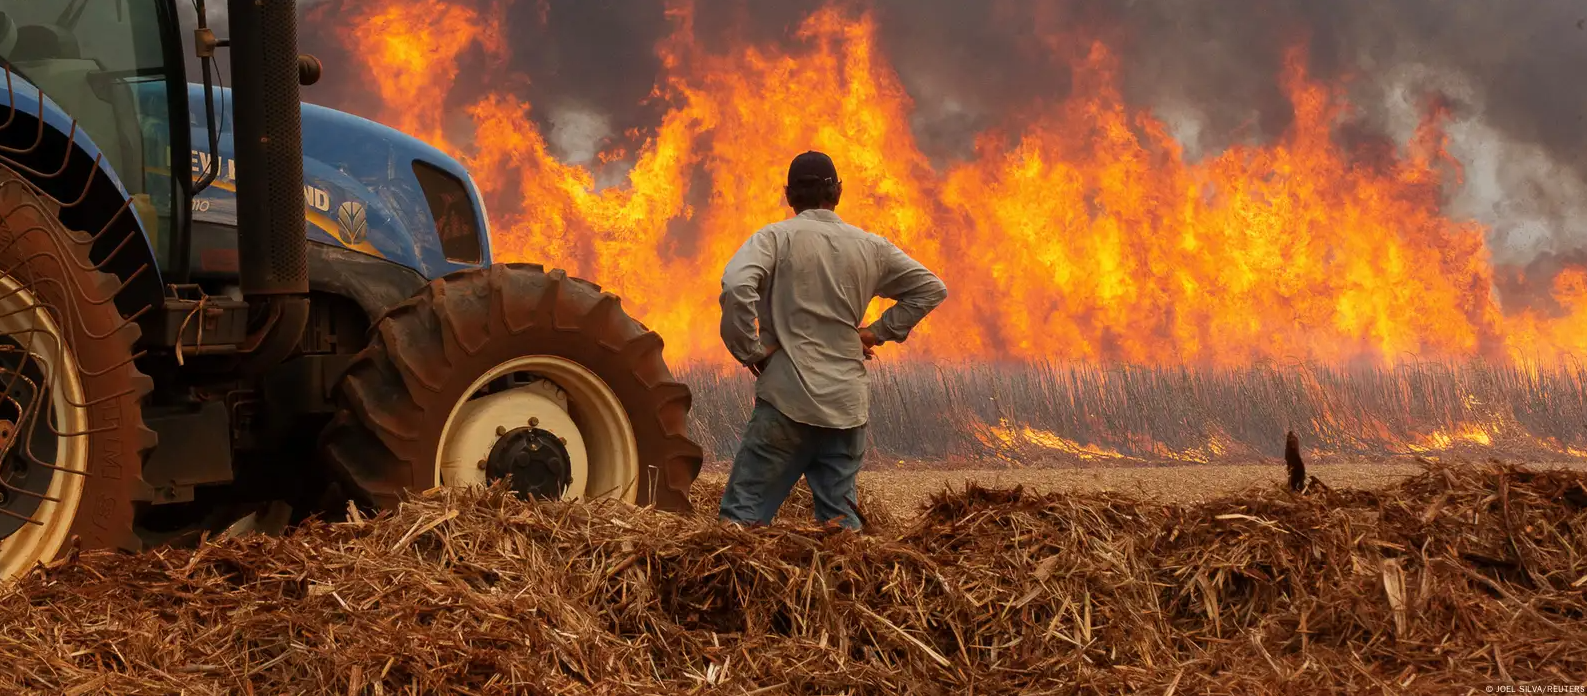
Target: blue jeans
[[776, 451]]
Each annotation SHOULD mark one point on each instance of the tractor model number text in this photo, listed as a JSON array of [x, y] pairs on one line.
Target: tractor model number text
[[313, 196]]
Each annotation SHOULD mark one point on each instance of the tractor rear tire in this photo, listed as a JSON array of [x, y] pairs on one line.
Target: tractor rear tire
[[428, 355], [73, 487]]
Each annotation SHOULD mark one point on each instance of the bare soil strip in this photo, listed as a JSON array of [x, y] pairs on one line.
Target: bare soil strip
[[904, 492]]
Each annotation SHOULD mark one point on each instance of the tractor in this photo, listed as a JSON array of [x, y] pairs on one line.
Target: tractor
[[222, 308]]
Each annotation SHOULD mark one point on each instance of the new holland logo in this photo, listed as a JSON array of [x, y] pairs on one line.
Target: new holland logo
[[352, 225]]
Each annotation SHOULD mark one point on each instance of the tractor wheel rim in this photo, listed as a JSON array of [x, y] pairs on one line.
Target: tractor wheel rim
[[595, 427], [28, 324]]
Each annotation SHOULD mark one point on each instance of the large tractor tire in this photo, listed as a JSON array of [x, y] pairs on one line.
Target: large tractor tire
[[513, 372], [71, 423]]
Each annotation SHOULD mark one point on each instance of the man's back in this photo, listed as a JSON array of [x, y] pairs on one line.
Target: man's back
[[792, 299], [809, 280]]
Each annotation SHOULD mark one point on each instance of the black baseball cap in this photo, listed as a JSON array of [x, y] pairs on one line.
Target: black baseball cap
[[812, 167]]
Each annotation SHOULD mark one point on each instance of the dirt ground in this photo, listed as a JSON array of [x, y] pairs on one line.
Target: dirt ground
[[905, 491]]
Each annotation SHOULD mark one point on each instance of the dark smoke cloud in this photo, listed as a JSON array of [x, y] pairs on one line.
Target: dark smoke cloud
[[1518, 57], [989, 57], [1531, 286]]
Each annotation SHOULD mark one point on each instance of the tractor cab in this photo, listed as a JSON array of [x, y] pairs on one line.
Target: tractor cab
[[115, 67]]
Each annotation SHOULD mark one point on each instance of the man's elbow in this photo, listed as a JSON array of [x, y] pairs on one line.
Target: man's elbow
[[938, 294]]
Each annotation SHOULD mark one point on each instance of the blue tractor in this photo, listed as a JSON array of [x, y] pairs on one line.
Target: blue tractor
[[223, 308]]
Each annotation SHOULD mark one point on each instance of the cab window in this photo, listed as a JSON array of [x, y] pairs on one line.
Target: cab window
[[103, 62], [454, 213]]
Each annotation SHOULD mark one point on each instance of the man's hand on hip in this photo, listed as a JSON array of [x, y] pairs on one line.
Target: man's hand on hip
[[868, 342], [759, 367]]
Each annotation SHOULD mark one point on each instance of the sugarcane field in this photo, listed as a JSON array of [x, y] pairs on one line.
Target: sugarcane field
[[821, 347]]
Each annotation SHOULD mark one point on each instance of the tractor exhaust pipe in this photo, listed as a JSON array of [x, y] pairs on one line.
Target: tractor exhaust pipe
[[272, 248]]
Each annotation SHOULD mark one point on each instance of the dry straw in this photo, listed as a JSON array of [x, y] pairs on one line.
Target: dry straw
[[1457, 579]]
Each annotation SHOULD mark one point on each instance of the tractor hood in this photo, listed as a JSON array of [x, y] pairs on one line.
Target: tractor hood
[[365, 188]]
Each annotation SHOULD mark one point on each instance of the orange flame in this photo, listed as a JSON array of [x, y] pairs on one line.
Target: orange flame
[[412, 49], [1086, 235], [1017, 439], [1440, 440]]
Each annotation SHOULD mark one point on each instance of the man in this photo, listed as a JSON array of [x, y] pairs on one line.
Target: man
[[792, 301]]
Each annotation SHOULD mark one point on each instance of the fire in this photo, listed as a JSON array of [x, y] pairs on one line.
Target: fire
[[1020, 438], [412, 51], [1440, 440], [1013, 442], [1083, 234]]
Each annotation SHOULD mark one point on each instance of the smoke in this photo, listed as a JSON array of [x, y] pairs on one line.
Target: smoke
[[218, 20], [577, 133], [1517, 129], [187, 11]]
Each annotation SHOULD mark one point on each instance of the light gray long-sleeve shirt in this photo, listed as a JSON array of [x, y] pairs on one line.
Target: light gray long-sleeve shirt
[[802, 285]]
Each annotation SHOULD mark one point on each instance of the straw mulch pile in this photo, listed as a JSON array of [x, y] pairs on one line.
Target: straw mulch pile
[[1457, 579]]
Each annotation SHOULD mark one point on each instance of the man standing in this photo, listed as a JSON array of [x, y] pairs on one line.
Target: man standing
[[792, 300]]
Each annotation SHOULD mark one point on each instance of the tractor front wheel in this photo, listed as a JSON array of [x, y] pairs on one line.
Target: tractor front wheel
[[72, 438], [514, 372]]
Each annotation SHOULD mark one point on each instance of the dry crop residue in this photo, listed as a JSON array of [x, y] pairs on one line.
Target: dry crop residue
[[1453, 579]]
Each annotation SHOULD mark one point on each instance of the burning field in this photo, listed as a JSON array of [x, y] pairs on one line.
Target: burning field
[[1456, 579], [1171, 231]]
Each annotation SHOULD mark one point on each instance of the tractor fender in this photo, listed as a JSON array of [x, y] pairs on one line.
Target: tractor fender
[[375, 284], [43, 143]]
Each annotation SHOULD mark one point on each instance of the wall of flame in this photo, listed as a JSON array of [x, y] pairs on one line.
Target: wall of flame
[[1084, 233]]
